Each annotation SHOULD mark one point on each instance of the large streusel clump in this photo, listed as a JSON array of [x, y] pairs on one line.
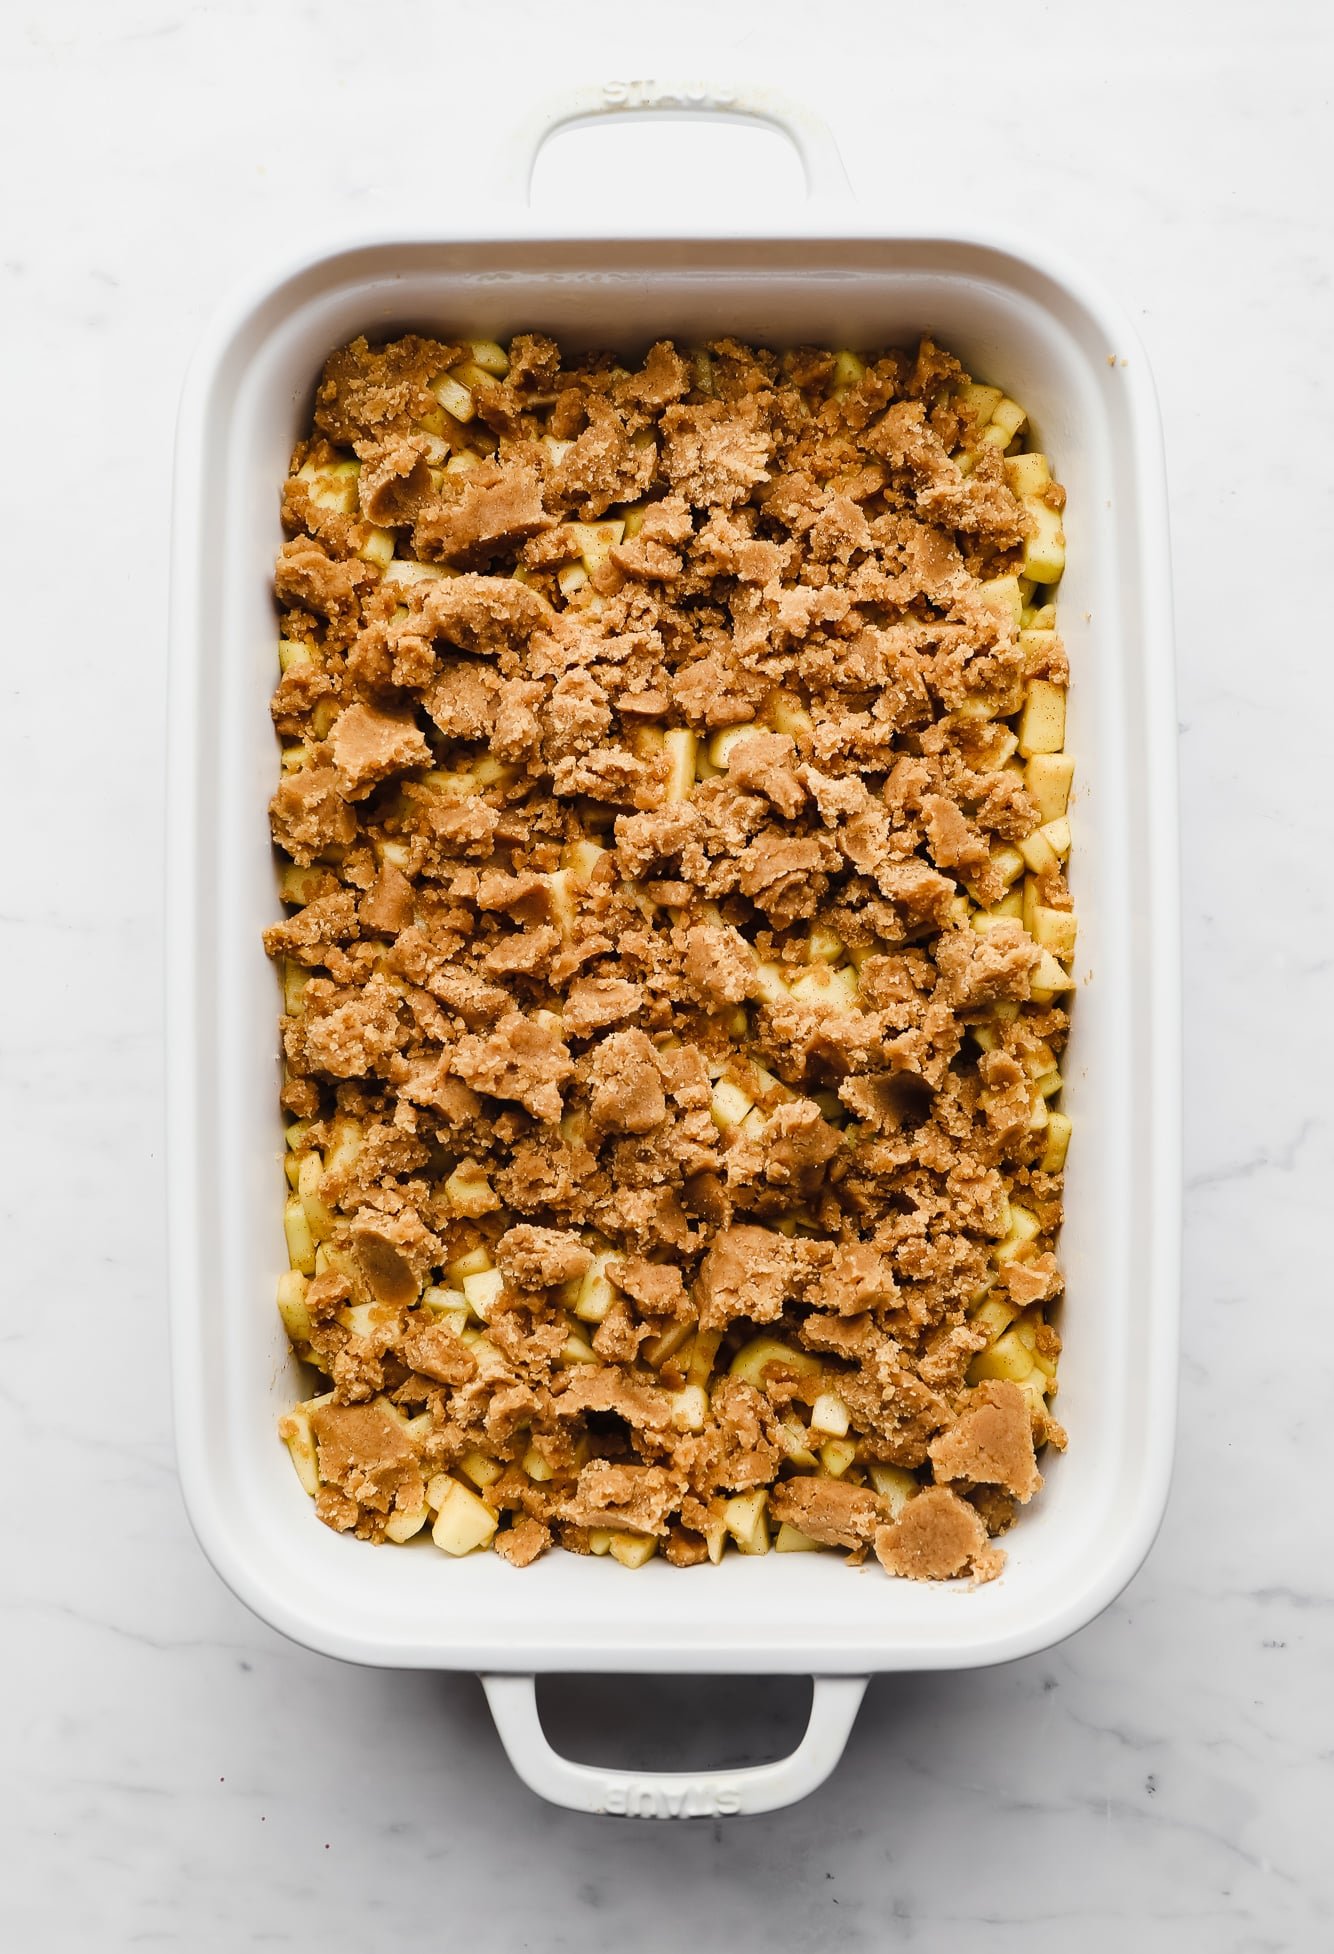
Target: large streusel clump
[[672, 815]]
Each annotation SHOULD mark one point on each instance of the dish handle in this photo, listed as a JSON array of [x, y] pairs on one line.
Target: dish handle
[[673, 1794], [826, 177]]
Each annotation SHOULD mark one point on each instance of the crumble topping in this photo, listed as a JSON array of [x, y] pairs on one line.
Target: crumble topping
[[672, 833]]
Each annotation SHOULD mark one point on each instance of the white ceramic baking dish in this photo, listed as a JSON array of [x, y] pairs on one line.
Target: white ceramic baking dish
[[1016, 317]]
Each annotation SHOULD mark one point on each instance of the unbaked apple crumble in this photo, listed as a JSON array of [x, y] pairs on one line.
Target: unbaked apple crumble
[[673, 827]]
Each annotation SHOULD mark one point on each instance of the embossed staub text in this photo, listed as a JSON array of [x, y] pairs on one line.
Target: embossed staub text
[[665, 95], [700, 1798]]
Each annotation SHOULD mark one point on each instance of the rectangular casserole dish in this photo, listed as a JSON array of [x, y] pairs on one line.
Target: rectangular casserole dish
[[1014, 318]]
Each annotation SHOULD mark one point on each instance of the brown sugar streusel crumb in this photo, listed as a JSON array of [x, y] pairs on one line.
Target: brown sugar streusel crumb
[[672, 825]]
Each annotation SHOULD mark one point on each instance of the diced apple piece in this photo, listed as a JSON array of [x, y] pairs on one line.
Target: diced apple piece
[[295, 1431], [703, 1355], [378, 548], [1044, 549], [472, 375], [815, 987], [1008, 861], [721, 744], [1057, 834], [297, 1435], [596, 1291], [448, 1306], [1038, 853], [1048, 979], [1035, 1388], [295, 980], [1042, 723], [754, 1357], [979, 402], [309, 1184], [658, 1349], [359, 1318], [744, 1517], [1002, 593], [454, 397], [396, 853], [577, 1350], [1048, 777], [836, 1455], [471, 1263], [894, 1485], [1058, 1139], [729, 1105], [332, 486], [848, 370], [1038, 648], [537, 1467], [482, 1291], [1027, 475], [483, 1471], [823, 946], [580, 860], [1055, 930], [1007, 417], [292, 1305], [773, 985], [491, 357], [632, 1549], [993, 1317], [293, 652], [407, 570], [791, 1540], [792, 1436], [595, 542], [345, 1142], [829, 1415], [463, 1522], [1010, 907], [405, 1522], [487, 1358], [300, 1241], [681, 748], [788, 715], [468, 1190], [453, 783], [1007, 1358], [1023, 1232], [690, 1408]]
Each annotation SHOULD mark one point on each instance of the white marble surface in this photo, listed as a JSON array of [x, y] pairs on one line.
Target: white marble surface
[[174, 1774]]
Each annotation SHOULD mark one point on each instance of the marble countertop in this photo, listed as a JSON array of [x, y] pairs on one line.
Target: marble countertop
[[175, 1774]]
